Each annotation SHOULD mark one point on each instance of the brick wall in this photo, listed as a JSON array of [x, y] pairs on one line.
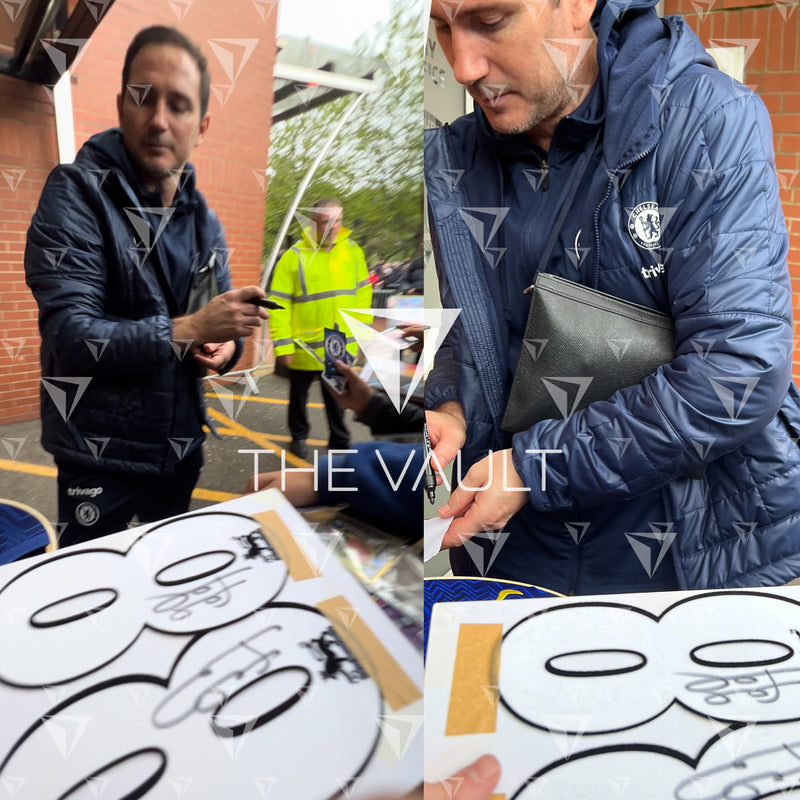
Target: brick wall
[[234, 149], [771, 33], [28, 151]]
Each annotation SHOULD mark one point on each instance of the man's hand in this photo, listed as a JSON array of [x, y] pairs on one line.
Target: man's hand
[[225, 317], [284, 360], [214, 356], [357, 392], [416, 332], [299, 486], [476, 509], [447, 431], [475, 782]]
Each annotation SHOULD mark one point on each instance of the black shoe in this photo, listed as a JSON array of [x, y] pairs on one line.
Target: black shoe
[[338, 445], [299, 448]]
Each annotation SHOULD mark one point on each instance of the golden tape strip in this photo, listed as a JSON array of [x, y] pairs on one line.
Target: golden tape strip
[[473, 694], [298, 564], [396, 686]]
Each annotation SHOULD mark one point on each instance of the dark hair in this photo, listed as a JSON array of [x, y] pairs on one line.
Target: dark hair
[[163, 34]]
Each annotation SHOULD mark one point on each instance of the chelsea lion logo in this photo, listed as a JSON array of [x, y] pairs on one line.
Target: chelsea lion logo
[[644, 225]]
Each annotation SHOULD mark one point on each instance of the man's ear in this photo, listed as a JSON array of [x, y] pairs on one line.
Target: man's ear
[[581, 11], [201, 131]]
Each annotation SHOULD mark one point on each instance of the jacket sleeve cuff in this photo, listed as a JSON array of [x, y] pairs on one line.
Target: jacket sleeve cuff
[[436, 396]]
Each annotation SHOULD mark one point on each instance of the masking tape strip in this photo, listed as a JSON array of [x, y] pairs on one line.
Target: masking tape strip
[[298, 564], [473, 694], [396, 686], [497, 797]]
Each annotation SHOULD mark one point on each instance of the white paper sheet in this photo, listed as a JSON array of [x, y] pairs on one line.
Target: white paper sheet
[[672, 696], [434, 531], [191, 659]]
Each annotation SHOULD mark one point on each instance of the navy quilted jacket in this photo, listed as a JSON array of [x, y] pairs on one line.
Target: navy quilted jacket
[[695, 472], [117, 393]]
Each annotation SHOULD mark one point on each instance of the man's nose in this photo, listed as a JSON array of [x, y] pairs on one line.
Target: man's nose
[[160, 115], [468, 61]]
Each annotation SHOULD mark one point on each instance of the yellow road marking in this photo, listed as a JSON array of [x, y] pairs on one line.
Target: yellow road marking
[[233, 428], [29, 469], [258, 399], [227, 427]]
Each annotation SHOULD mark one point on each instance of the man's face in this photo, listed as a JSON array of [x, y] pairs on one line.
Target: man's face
[[160, 114], [520, 60], [327, 224]]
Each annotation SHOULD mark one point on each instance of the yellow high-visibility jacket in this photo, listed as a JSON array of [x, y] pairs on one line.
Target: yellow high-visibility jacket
[[313, 284]]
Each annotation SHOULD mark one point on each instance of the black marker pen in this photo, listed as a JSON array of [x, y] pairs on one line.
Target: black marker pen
[[264, 303], [430, 479]]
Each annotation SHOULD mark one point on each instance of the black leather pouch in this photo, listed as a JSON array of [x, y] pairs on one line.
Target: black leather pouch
[[581, 346]]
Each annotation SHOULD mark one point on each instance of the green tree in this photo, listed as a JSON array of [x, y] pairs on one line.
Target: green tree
[[375, 165]]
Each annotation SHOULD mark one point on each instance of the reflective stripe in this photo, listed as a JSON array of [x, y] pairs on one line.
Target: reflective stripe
[[282, 342], [309, 298], [283, 295], [362, 283], [348, 340]]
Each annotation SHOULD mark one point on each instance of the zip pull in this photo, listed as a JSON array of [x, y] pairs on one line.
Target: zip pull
[[545, 176], [210, 265], [528, 290]]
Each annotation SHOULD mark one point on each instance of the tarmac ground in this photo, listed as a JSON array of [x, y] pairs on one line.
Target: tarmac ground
[[249, 415]]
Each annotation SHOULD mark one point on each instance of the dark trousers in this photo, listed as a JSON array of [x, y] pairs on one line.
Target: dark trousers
[[93, 503], [299, 383]]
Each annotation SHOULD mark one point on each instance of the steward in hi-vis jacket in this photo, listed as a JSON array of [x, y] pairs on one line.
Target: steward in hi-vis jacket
[[322, 273]]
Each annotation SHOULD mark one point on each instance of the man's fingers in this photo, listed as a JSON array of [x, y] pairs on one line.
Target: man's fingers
[[443, 454], [343, 369], [464, 527], [476, 782], [457, 503]]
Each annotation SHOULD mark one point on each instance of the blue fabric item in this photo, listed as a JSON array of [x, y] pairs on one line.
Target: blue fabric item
[[109, 275], [20, 533], [380, 483], [621, 511]]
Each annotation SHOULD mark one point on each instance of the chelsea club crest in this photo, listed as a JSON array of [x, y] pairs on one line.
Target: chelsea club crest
[[644, 225]]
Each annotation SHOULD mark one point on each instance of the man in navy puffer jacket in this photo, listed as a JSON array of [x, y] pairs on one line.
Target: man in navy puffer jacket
[[691, 478], [129, 269]]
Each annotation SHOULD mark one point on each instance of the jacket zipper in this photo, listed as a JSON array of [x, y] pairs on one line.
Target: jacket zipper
[[624, 165]]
